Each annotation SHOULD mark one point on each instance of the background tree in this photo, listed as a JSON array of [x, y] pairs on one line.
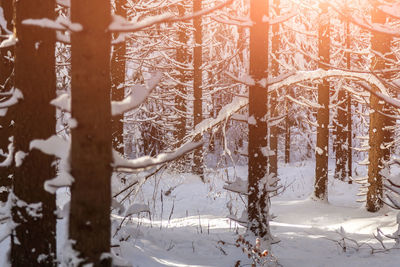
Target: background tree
[[380, 45], [258, 199], [118, 62], [197, 84], [322, 149]]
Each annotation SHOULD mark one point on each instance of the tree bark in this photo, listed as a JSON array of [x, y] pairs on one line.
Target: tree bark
[[90, 155], [273, 160], [118, 63], [258, 199], [33, 240], [376, 156], [197, 85], [6, 83], [322, 150]]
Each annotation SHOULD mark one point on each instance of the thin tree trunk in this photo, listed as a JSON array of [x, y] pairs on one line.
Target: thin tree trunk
[[342, 142], [287, 127], [90, 155], [349, 113], [376, 156], [197, 84], [118, 63], [321, 154], [33, 240], [258, 199], [182, 56], [273, 160], [6, 83]]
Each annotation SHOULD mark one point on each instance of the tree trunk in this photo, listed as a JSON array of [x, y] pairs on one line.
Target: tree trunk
[[7, 83], [33, 240], [273, 160], [376, 156], [342, 142], [90, 155], [118, 82], [349, 113], [322, 149], [182, 56], [197, 85], [258, 199]]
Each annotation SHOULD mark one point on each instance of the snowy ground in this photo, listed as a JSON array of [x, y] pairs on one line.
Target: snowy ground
[[188, 225]]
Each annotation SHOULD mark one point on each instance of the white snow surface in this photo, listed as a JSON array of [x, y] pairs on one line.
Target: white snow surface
[[189, 224]]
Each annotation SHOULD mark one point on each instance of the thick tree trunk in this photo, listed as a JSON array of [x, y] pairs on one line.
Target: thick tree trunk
[[273, 160], [90, 155], [322, 149], [258, 199], [118, 82], [197, 84], [6, 83], [381, 44], [33, 240]]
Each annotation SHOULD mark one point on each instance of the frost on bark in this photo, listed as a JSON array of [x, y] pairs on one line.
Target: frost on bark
[[377, 134], [33, 240], [118, 81], [258, 199], [6, 83], [197, 84], [90, 155], [321, 152]]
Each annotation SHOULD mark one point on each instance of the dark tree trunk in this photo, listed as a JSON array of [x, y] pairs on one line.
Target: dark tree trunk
[[6, 83], [90, 156], [273, 160], [322, 150], [33, 240], [258, 199], [377, 135], [118, 82], [197, 84]]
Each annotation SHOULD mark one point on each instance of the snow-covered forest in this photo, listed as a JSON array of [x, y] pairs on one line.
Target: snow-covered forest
[[199, 133]]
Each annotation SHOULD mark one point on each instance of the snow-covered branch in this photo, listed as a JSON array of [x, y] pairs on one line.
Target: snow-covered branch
[[119, 24], [146, 162], [14, 99], [138, 95], [60, 23]]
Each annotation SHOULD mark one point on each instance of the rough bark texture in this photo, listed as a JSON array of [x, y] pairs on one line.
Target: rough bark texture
[[118, 82], [258, 200], [6, 84], [273, 160], [90, 155], [321, 154], [197, 85], [33, 240], [381, 44]]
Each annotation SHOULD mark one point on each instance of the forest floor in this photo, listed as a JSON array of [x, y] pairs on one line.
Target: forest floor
[[188, 224]]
